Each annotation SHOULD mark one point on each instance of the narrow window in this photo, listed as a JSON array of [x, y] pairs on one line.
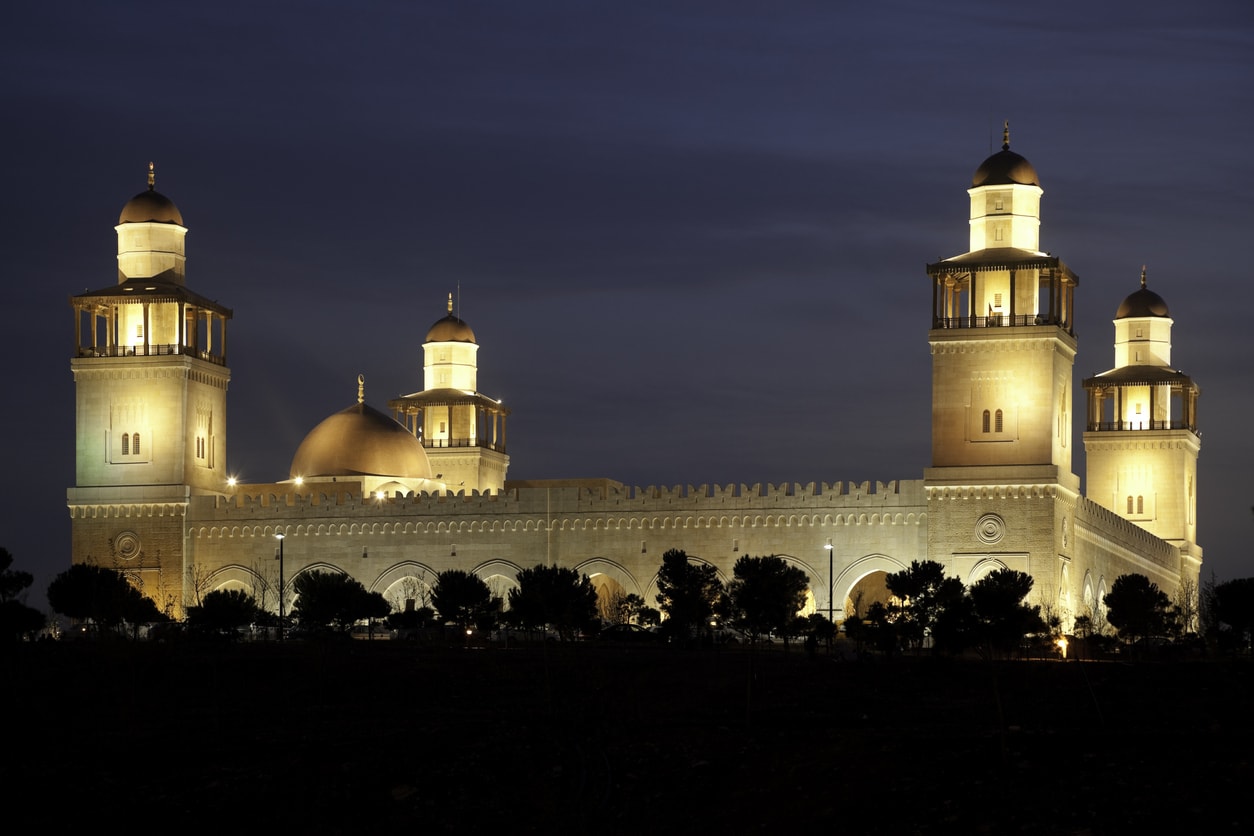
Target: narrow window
[[998, 421], [126, 444], [986, 418], [136, 448], [1129, 505], [1140, 505]]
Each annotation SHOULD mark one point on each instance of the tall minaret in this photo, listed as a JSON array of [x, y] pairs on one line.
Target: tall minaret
[[1003, 345], [1002, 334], [150, 381], [1142, 443], [462, 429]]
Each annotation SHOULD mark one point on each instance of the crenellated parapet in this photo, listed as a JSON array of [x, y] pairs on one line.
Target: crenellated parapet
[[1110, 529]]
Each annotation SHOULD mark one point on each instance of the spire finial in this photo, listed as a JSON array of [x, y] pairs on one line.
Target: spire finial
[[1005, 136], [1142, 277], [450, 304], [152, 176], [361, 388]]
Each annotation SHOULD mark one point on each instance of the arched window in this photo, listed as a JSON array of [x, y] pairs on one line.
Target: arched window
[[998, 422], [1129, 505], [986, 419], [126, 444], [1140, 505], [136, 444]]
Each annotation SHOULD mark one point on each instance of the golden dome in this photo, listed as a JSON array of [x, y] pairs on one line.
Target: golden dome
[[360, 441]]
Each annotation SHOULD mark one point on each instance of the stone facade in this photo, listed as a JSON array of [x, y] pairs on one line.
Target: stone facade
[[1000, 491]]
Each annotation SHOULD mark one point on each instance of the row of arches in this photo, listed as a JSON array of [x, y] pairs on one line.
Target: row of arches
[[408, 584]]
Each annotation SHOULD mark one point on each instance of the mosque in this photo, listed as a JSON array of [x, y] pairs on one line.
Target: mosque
[[394, 498]]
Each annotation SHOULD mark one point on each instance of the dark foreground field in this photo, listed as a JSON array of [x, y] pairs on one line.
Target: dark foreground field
[[383, 737]]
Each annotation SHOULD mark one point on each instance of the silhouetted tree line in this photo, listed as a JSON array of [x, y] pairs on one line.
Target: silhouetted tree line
[[764, 598]]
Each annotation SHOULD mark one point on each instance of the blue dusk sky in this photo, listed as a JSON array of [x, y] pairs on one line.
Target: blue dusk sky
[[689, 236]]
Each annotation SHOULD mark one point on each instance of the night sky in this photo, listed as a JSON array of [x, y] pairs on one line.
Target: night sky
[[690, 237]]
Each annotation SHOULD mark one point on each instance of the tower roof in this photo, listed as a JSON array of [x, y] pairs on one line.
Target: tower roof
[[450, 329], [150, 206], [1143, 302], [1005, 168]]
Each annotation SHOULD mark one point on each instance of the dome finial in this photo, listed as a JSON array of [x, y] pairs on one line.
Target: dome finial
[[152, 176], [361, 388], [1005, 136], [450, 304], [1142, 276]]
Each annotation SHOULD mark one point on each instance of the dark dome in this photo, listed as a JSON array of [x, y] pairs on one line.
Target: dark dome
[[1144, 302], [450, 329], [360, 441], [1005, 168], [150, 207]]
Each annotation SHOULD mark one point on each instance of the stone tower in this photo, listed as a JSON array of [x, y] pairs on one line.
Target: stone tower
[[1141, 440], [150, 380], [1000, 485], [462, 429]]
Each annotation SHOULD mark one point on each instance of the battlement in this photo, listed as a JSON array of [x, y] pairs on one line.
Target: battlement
[[1126, 533]]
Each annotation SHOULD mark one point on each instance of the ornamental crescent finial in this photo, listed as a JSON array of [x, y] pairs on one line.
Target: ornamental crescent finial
[[152, 176], [361, 388], [1005, 136], [1142, 276], [450, 304]]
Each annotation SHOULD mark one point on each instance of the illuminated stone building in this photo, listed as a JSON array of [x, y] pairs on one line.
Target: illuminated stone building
[[394, 500]]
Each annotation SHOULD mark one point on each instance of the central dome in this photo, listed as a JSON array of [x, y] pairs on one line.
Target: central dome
[[360, 441]]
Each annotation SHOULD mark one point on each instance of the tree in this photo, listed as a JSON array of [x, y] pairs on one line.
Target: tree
[[556, 597], [1186, 604], [331, 600], [1001, 618], [103, 596], [223, 611], [925, 594], [687, 593], [16, 619], [765, 595], [1137, 607], [465, 600], [1234, 608]]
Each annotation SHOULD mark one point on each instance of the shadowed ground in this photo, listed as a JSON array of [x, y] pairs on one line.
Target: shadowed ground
[[351, 737]]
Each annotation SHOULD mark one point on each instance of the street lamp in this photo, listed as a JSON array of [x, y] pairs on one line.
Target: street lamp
[[830, 551], [280, 537]]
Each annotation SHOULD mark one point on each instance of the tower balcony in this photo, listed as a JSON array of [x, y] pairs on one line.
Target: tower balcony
[[163, 350], [454, 443], [995, 321], [1135, 426]]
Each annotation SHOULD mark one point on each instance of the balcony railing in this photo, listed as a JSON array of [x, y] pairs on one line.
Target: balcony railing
[[1133, 426], [994, 321], [444, 443], [164, 349]]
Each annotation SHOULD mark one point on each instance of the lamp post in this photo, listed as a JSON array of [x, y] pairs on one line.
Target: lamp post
[[280, 537], [830, 551]]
